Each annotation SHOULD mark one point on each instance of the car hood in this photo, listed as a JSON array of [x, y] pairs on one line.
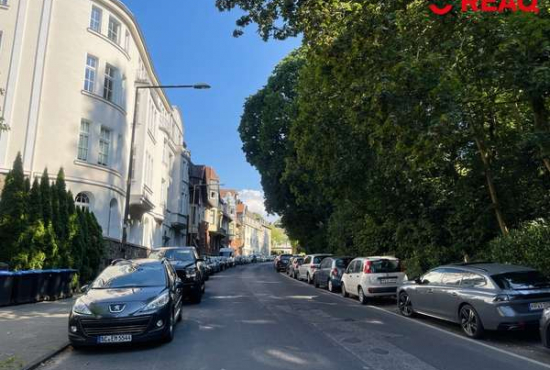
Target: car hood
[[180, 265], [103, 302]]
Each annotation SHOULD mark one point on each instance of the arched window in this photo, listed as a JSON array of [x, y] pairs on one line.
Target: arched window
[[82, 200]]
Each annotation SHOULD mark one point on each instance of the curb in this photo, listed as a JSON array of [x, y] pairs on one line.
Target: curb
[[36, 363]]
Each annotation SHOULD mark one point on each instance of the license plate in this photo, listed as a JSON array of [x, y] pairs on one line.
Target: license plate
[[539, 306], [122, 338], [388, 281]]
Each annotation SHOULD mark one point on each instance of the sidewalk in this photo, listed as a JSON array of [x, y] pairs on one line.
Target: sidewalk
[[30, 332]]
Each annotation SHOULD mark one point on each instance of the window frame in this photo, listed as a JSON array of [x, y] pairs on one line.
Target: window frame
[[81, 135], [82, 204], [90, 74], [109, 83], [111, 34], [102, 157], [96, 24]]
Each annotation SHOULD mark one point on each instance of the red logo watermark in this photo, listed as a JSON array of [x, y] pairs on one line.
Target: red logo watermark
[[490, 6]]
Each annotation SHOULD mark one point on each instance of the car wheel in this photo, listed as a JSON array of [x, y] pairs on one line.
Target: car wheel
[[295, 275], [362, 298], [169, 336], [77, 346], [309, 281], [404, 305], [179, 317], [196, 297], [470, 322], [344, 293], [330, 287], [203, 287]]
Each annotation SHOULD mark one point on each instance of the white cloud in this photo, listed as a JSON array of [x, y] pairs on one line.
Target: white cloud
[[254, 199]]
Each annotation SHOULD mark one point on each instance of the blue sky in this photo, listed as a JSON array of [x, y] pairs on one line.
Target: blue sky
[[191, 41]]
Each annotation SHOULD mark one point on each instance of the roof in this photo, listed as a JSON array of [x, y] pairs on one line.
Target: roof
[[211, 174], [224, 192], [490, 268], [241, 207]]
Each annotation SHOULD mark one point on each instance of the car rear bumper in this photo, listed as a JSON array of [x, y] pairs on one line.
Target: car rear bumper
[[506, 319], [376, 291]]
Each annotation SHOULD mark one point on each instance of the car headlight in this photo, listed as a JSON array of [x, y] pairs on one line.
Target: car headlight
[[80, 308], [158, 302], [192, 272]]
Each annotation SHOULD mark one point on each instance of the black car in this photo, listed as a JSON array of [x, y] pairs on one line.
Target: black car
[[281, 262], [130, 301], [186, 262]]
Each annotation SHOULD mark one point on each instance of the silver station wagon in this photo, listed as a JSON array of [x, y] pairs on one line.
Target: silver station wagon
[[478, 296]]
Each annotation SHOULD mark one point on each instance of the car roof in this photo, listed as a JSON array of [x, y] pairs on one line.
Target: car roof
[[141, 262], [170, 248], [377, 258], [490, 268], [319, 255]]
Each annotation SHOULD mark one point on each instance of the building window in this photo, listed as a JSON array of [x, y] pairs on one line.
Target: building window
[[4, 2], [82, 201], [95, 20], [91, 73], [84, 140], [163, 193], [104, 146], [109, 85], [114, 30]]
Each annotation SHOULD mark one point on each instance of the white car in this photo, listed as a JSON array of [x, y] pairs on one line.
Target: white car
[[311, 263], [368, 277]]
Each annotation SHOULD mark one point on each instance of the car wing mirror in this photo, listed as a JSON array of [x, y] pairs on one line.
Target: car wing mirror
[[419, 281], [84, 288]]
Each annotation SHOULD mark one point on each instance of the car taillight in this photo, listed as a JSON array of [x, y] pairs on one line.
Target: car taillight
[[334, 272], [313, 267], [368, 267]]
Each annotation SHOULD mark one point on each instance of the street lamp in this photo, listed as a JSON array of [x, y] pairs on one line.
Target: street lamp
[[198, 86]]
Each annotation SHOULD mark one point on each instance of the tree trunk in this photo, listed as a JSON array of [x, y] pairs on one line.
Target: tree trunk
[[541, 123], [490, 182]]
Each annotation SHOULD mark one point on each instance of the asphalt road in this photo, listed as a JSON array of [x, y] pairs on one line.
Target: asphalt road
[[253, 318]]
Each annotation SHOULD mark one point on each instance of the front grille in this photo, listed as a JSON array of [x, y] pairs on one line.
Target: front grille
[[131, 325]]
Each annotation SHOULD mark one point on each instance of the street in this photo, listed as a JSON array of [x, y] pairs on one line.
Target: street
[[254, 318]]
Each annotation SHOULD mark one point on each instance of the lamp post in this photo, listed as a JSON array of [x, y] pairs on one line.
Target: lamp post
[[200, 86]]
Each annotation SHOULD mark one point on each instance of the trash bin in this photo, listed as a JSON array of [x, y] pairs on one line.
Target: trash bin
[[53, 285], [39, 291], [25, 287], [67, 276], [6, 287]]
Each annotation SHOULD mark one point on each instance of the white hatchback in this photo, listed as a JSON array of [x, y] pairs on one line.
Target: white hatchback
[[368, 277]]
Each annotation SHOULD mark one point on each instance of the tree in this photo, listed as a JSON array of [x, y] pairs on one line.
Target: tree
[[46, 197]]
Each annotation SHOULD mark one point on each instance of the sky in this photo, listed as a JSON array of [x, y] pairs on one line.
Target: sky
[[190, 41]]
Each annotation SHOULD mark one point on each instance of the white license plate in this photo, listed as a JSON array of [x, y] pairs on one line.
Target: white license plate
[[388, 281], [539, 306], [122, 338]]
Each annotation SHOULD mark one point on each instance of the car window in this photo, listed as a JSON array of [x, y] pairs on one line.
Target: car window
[[300, 261], [130, 275], [317, 260], [385, 266], [432, 277], [473, 280], [327, 262], [351, 267], [184, 255], [521, 280], [307, 260], [358, 266], [343, 262], [451, 277]]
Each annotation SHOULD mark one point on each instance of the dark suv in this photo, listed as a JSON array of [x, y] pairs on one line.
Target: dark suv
[[186, 262], [130, 301]]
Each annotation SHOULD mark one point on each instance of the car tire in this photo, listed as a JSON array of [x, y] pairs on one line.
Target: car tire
[[330, 287], [471, 322], [179, 318], [169, 336], [308, 278], [196, 297], [203, 287], [404, 305], [77, 346], [361, 296], [344, 292]]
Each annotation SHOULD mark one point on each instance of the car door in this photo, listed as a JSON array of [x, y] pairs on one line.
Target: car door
[[423, 298], [303, 268], [446, 295], [324, 270], [347, 278]]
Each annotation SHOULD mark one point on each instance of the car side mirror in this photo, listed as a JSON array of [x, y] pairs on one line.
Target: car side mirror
[[200, 259], [84, 288], [419, 281]]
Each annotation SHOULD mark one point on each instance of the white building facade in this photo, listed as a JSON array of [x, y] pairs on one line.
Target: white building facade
[[69, 69]]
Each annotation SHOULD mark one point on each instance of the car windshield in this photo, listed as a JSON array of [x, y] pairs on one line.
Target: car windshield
[[285, 258], [185, 255], [318, 259], [130, 275], [343, 262], [521, 280], [385, 265]]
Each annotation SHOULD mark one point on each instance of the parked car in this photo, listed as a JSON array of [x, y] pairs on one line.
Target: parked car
[[293, 265], [330, 271], [369, 277], [311, 263], [479, 296], [130, 301], [281, 262], [186, 262]]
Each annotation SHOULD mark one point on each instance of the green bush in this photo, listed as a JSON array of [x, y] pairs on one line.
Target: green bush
[[528, 245]]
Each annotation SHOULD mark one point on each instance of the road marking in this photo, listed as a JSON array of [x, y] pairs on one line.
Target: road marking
[[379, 309]]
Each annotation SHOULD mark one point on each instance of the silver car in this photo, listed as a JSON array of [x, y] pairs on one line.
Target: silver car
[[311, 263], [478, 296]]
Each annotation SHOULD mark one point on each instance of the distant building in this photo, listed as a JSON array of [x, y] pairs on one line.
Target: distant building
[[255, 233]]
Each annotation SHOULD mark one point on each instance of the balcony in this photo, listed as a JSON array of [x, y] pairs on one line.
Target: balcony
[[141, 202], [178, 221]]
